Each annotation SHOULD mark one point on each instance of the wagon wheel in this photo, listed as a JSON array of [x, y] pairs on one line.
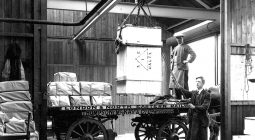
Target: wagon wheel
[[173, 130], [145, 131], [87, 129]]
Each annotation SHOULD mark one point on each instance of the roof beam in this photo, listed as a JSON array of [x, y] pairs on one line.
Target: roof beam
[[185, 21], [215, 7], [126, 8], [151, 2], [103, 10], [203, 4]]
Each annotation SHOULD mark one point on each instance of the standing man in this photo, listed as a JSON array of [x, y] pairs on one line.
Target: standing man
[[181, 56], [198, 110]]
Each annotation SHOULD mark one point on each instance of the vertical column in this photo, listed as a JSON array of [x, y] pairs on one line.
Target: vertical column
[[225, 71]]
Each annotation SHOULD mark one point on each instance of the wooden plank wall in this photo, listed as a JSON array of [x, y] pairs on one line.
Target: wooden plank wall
[[240, 110], [17, 33], [242, 32], [92, 57], [31, 39]]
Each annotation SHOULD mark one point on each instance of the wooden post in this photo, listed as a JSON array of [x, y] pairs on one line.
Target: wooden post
[[39, 70], [43, 74], [225, 71]]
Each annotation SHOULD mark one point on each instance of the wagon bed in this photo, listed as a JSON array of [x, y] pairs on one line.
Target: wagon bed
[[87, 122]]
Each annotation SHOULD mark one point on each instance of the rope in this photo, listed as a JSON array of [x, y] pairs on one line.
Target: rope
[[140, 4]]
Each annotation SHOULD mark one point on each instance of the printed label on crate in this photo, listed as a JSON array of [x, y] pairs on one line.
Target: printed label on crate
[[144, 59]]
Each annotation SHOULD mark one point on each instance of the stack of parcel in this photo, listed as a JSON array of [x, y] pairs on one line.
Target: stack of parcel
[[15, 105], [67, 91]]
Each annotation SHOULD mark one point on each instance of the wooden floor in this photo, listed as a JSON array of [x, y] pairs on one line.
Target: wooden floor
[[128, 136]]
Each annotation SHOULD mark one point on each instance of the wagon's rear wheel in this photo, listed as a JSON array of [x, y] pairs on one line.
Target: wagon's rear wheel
[[173, 130], [87, 129], [145, 131]]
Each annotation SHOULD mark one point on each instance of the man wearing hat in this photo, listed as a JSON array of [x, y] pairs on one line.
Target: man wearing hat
[[181, 56]]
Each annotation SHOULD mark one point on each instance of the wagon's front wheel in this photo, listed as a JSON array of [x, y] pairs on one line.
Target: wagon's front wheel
[[145, 131], [87, 129], [173, 130]]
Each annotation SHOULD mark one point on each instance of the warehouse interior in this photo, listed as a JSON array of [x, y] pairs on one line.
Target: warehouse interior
[[79, 36]]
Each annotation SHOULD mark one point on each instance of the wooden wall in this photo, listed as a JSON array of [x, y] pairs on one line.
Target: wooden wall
[[16, 32], [31, 39], [242, 31], [92, 57], [240, 110]]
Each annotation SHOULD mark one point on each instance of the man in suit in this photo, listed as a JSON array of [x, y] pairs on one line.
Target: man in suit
[[198, 113]]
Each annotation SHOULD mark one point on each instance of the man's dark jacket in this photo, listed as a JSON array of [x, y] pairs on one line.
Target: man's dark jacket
[[201, 108]]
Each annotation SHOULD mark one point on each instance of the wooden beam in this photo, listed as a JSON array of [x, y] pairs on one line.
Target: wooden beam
[[93, 19], [185, 21], [10, 34], [216, 66], [243, 102], [178, 24], [151, 2], [203, 4], [43, 69], [225, 71], [126, 8], [36, 67], [39, 67], [215, 7]]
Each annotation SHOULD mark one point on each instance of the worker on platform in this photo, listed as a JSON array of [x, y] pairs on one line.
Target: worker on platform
[[181, 56]]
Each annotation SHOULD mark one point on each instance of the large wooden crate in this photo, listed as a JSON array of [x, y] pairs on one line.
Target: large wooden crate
[[140, 35], [139, 69]]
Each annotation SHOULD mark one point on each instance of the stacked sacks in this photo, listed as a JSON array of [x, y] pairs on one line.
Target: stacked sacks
[[65, 77], [65, 85], [66, 91], [59, 92], [99, 92], [15, 104]]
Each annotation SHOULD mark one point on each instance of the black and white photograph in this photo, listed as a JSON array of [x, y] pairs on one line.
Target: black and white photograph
[[127, 70]]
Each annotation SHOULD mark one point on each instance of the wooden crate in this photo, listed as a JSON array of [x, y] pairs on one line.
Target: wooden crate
[[145, 87], [140, 35], [139, 68], [139, 63]]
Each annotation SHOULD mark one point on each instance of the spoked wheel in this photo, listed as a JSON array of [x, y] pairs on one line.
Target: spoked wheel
[[145, 131], [173, 130], [87, 129]]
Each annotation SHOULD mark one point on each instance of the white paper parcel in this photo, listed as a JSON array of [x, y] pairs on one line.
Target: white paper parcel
[[14, 86], [19, 126], [80, 100], [16, 106], [55, 101], [19, 115], [65, 77], [63, 88], [68, 88], [33, 135], [95, 88], [14, 96], [101, 100]]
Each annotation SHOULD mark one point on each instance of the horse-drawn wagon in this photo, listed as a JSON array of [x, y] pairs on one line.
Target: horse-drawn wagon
[[154, 121]]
